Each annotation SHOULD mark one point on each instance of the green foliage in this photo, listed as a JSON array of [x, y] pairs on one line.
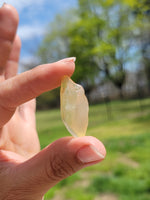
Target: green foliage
[[55, 43], [105, 36], [93, 42], [130, 3], [142, 14], [48, 100]]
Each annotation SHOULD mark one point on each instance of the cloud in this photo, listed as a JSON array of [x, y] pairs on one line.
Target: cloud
[[28, 32], [34, 19], [35, 15]]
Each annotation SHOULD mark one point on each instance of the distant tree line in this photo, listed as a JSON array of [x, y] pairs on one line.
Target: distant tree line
[[109, 39]]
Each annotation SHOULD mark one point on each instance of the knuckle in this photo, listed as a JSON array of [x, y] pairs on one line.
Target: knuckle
[[59, 168]]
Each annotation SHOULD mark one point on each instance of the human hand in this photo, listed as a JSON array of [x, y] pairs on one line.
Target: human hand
[[25, 171]]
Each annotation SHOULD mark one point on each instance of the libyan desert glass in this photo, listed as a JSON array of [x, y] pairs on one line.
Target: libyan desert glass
[[74, 107]]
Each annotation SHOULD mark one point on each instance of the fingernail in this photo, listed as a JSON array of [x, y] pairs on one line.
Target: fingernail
[[71, 59], [89, 154]]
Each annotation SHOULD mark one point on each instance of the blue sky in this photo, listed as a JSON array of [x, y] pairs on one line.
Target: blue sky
[[35, 15]]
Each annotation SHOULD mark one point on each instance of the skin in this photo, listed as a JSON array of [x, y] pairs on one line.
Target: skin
[[25, 171]]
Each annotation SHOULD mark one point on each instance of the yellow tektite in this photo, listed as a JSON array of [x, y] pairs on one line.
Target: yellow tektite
[[74, 107]]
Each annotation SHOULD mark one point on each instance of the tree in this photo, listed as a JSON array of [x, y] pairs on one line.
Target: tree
[[142, 15], [56, 41], [101, 42], [54, 47], [100, 34]]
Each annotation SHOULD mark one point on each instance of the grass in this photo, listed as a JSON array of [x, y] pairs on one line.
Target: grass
[[125, 172], [127, 179]]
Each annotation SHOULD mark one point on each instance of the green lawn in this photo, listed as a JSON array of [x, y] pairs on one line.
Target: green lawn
[[125, 173]]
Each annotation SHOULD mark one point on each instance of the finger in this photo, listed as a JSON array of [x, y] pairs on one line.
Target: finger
[[58, 161], [30, 84], [8, 26], [12, 63]]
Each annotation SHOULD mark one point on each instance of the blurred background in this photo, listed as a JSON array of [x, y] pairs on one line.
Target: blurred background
[[111, 40]]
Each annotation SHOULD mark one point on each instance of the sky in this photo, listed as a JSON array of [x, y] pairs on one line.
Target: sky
[[35, 15]]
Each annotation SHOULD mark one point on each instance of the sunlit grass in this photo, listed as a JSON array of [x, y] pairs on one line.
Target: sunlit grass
[[126, 135]]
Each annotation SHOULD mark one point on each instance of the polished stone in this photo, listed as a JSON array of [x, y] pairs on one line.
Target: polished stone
[[74, 107]]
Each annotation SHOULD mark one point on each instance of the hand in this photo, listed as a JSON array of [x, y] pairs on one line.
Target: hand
[[25, 171]]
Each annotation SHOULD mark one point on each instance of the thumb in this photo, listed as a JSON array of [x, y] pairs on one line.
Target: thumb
[[59, 160]]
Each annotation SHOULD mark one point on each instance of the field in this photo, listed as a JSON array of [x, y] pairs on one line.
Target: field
[[124, 128]]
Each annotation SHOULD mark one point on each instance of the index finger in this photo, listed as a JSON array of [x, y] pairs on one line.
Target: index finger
[[28, 85]]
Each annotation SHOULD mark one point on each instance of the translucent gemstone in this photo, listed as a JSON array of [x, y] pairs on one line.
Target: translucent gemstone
[[74, 107]]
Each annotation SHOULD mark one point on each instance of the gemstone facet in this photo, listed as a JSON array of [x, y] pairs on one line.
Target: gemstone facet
[[74, 107]]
